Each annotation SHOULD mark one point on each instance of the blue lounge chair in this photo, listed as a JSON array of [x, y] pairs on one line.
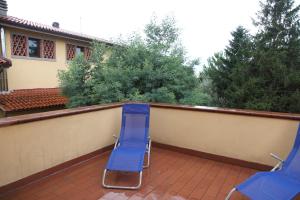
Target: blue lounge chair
[[282, 183], [132, 145]]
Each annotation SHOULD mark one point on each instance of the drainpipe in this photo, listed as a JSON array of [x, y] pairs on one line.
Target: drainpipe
[[3, 45], [3, 74]]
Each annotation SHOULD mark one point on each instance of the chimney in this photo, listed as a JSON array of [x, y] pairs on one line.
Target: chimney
[[55, 24], [3, 8]]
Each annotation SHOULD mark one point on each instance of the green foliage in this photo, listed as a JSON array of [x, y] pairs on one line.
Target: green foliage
[[261, 71], [277, 55], [197, 97], [76, 79], [230, 70], [154, 69]]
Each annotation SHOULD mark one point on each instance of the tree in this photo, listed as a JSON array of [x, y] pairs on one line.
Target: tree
[[153, 68], [261, 71], [228, 71], [75, 82], [277, 55]]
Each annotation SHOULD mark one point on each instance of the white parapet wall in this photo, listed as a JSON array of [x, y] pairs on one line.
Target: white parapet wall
[[31, 147], [33, 143], [243, 137]]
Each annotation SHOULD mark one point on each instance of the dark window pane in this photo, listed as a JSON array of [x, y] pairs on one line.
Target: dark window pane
[[34, 47], [79, 50]]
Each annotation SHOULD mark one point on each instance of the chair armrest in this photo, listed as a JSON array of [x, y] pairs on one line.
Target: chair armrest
[[116, 138], [276, 157], [116, 141], [279, 164]]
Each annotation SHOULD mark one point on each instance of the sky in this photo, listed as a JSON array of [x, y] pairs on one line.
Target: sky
[[205, 25]]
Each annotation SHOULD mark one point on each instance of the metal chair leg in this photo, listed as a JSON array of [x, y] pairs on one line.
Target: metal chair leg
[[122, 187], [148, 155], [230, 193]]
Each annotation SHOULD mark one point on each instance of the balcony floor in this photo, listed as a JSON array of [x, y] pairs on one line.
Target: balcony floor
[[172, 175]]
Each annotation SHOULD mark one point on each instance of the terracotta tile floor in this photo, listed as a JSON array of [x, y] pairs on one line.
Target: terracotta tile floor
[[172, 175]]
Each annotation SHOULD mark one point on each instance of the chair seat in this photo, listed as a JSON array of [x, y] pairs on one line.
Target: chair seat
[[128, 159], [270, 186], [133, 144]]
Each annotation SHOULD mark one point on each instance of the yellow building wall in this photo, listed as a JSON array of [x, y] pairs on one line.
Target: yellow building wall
[[27, 73]]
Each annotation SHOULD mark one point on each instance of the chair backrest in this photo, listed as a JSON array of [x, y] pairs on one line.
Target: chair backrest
[[291, 166], [135, 123]]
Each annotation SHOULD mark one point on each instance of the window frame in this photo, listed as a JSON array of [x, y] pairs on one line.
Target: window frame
[[27, 57], [40, 47], [12, 44], [54, 49], [76, 45], [81, 48], [66, 51]]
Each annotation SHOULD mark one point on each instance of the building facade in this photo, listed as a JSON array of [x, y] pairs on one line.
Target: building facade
[[37, 52]]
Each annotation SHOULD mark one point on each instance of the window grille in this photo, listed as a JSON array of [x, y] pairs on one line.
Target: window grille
[[87, 53], [48, 49], [71, 50], [19, 45]]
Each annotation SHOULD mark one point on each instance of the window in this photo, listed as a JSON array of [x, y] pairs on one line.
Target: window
[[25, 46], [48, 49], [87, 53], [73, 50], [19, 45], [34, 47], [79, 50]]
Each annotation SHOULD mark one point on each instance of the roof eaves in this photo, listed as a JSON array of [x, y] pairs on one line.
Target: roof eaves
[[51, 31]]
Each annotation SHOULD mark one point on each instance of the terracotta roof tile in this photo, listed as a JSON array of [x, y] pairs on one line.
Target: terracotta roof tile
[[10, 20], [26, 99]]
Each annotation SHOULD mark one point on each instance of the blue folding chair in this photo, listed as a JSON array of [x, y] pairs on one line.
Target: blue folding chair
[[282, 183], [132, 145]]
